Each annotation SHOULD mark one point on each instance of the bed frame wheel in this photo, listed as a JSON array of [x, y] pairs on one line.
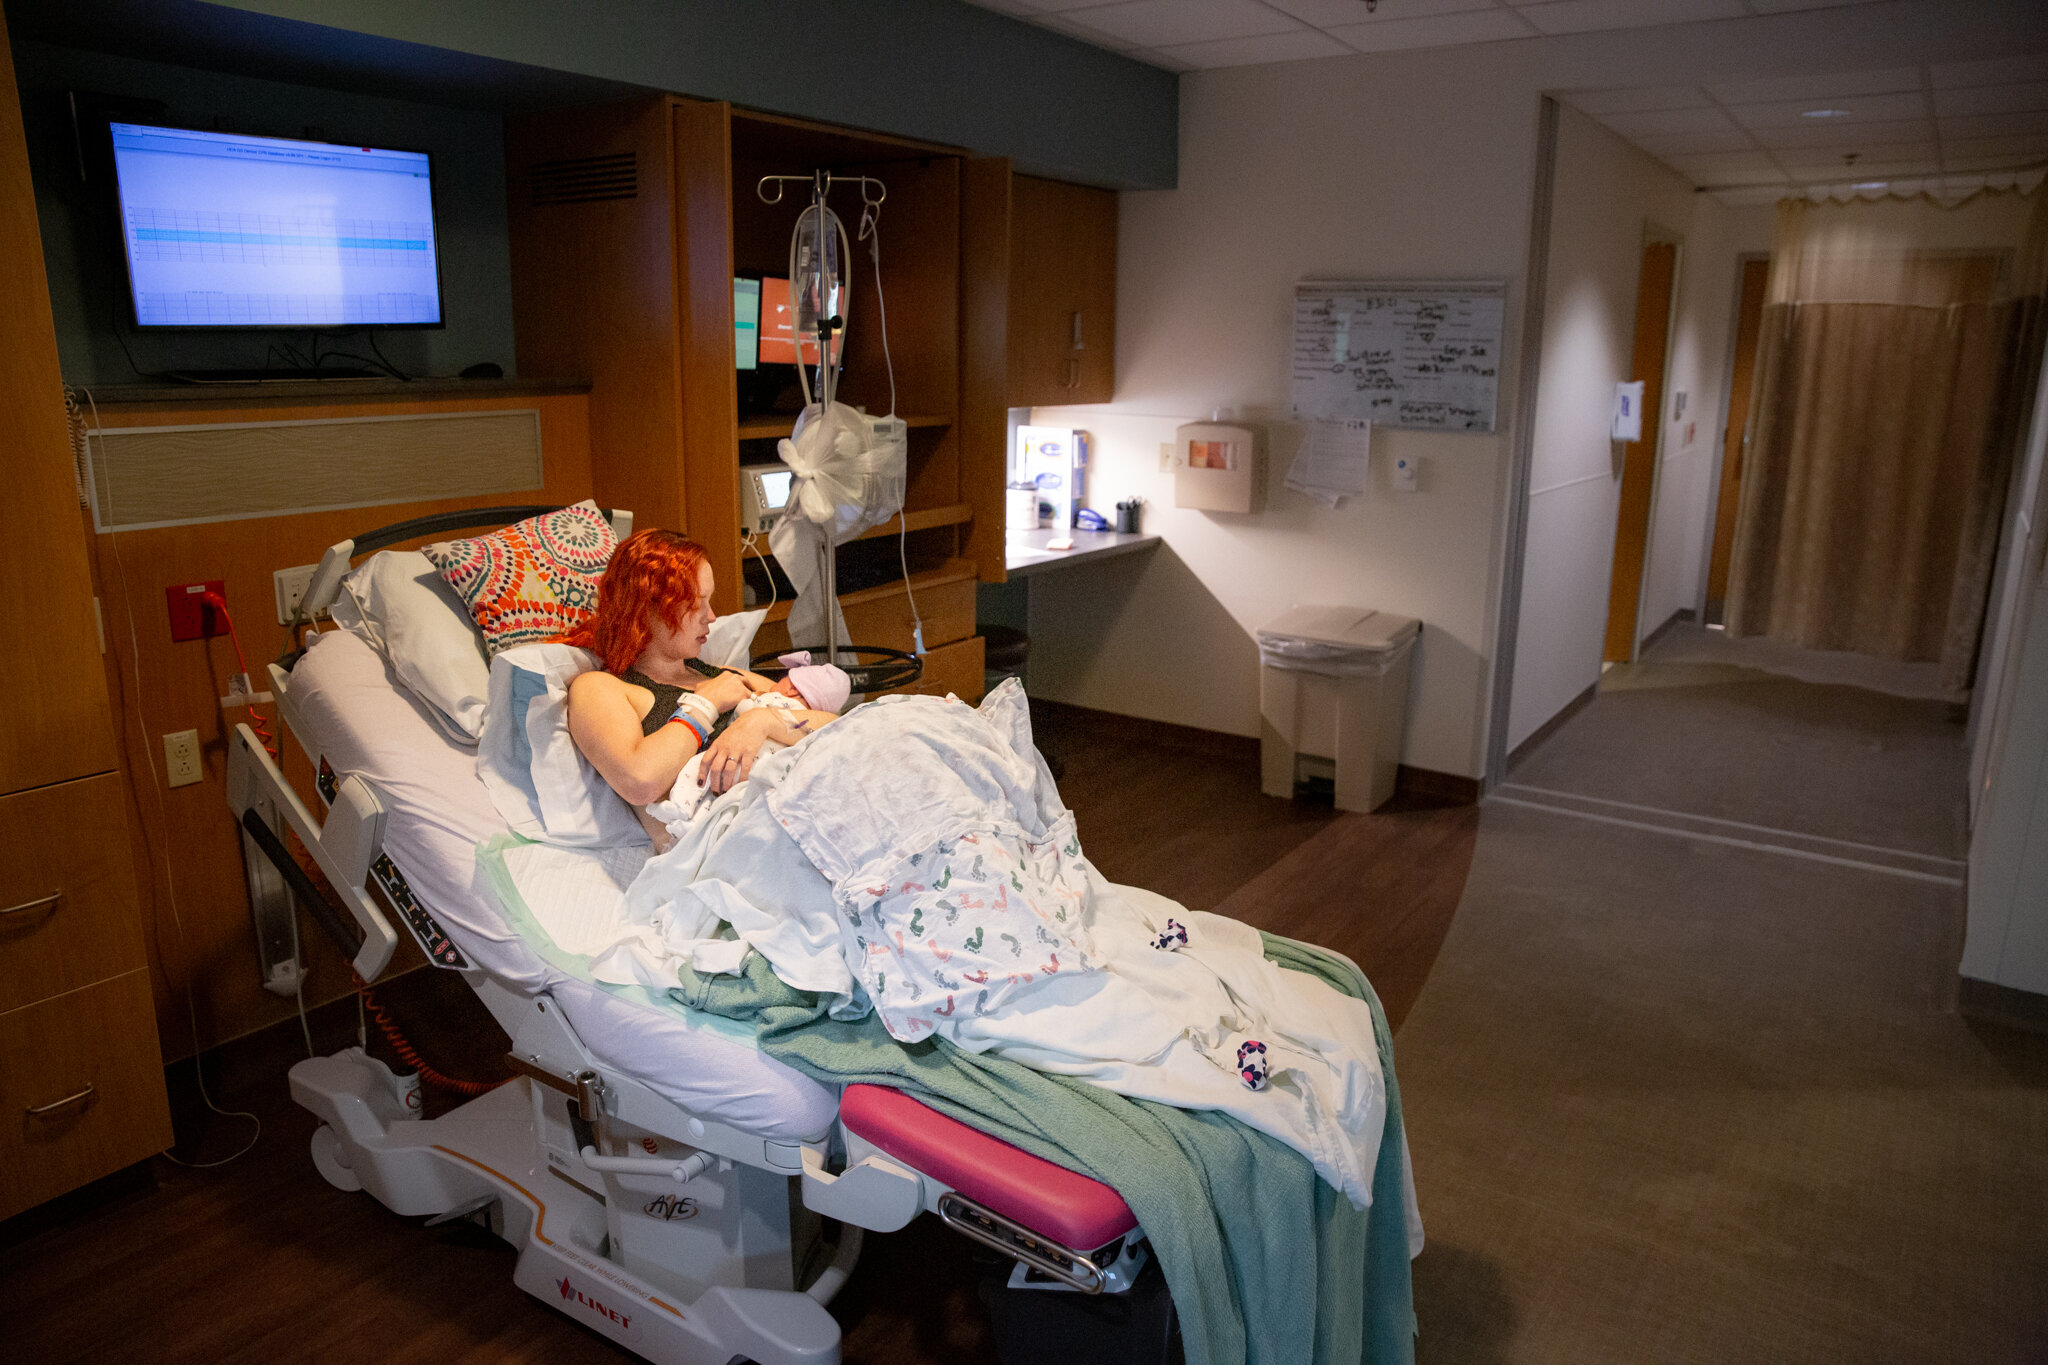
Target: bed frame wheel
[[331, 1162]]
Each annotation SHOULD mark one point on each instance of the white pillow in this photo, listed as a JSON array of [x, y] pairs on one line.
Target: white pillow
[[398, 602], [731, 637]]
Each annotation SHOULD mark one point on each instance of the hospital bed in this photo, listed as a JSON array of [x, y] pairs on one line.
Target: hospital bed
[[664, 1182]]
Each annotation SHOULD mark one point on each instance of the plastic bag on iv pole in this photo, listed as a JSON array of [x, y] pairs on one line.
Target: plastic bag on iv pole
[[847, 482]]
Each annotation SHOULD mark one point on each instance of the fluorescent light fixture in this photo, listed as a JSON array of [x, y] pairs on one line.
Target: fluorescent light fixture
[[1871, 185], [1825, 113]]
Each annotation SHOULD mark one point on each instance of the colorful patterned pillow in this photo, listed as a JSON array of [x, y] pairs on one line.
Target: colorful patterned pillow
[[530, 581]]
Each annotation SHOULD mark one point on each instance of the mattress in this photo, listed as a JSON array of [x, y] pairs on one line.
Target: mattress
[[362, 720]]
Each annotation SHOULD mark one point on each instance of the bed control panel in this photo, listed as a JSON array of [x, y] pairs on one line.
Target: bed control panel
[[433, 940]]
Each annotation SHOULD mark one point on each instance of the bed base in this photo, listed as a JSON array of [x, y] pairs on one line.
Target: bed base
[[685, 1240]]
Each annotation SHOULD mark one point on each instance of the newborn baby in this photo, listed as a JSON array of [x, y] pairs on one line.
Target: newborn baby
[[806, 687]]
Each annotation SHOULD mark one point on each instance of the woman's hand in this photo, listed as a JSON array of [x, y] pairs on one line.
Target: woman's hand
[[728, 690], [730, 759]]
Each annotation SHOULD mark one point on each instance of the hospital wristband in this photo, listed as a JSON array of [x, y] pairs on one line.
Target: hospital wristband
[[695, 727]]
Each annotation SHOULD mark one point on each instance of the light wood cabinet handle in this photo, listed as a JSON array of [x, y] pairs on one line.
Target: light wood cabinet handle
[[38, 1110], [37, 904], [1077, 333]]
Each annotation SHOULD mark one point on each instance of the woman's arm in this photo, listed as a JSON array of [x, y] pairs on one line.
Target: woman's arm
[[730, 759], [606, 728]]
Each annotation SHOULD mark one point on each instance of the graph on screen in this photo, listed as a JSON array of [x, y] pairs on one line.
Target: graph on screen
[[228, 230]]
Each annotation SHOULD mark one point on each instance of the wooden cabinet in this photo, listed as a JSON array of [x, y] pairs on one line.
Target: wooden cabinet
[[629, 223], [1038, 310], [1061, 327], [81, 1077]]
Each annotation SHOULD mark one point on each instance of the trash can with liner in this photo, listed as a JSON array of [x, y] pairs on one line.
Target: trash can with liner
[[1333, 696]]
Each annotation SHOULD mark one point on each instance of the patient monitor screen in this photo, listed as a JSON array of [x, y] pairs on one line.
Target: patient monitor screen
[[775, 489], [228, 230], [746, 322], [778, 328]]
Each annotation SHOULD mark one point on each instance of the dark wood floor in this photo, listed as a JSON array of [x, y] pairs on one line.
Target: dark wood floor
[[261, 1260]]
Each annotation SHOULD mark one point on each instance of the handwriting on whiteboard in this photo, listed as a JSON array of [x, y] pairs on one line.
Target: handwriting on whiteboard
[[1400, 355]]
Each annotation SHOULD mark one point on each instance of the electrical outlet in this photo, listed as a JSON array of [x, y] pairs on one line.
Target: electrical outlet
[[191, 618], [181, 759], [291, 587], [1404, 473], [1166, 457]]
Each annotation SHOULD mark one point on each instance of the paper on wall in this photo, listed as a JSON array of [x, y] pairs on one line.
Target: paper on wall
[[1331, 464]]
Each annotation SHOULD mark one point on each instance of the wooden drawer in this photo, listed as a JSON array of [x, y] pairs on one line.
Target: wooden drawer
[[882, 617], [69, 841], [98, 1044], [954, 668]]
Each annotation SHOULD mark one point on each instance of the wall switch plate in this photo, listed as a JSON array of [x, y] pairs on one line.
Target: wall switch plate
[[291, 590], [181, 759], [1167, 458], [191, 618], [1404, 473]]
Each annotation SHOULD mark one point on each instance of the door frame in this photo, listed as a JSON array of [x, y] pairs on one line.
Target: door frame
[[1654, 425], [1743, 260]]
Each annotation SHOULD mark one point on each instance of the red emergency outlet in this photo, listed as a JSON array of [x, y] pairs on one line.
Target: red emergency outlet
[[191, 618]]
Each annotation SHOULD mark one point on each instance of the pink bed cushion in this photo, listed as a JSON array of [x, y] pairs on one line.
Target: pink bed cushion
[[1071, 1209]]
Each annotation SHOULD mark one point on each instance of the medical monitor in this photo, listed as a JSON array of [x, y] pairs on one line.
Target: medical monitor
[[226, 230], [746, 322], [778, 328]]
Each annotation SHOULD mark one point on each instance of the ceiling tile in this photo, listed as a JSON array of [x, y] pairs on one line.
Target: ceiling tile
[[1164, 60], [1726, 167], [1687, 144], [1256, 51], [1840, 85], [1757, 194], [1918, 153], [1991, 99], [1862, 110], [1994, 125], [1996, 71], [1337, 13], [1441, 30], [1636, 100], [1073, 27], [1648, 122], [1841, 133], [1580, 16], [1990, 163], [1167, 23], [1783, 6], [2012, 145]]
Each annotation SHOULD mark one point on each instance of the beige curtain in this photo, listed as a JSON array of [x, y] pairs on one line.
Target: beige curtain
[[1893, 375]]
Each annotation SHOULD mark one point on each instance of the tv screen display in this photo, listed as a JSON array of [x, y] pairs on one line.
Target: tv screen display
[[230, 230], [778, 329], [746, 322]]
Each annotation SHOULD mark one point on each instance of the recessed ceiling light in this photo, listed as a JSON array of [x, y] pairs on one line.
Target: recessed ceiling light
[[1825, 113], [1871, 185]]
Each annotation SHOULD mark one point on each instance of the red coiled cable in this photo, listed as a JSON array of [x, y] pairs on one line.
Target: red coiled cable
[[406, 1052], [261, 726]]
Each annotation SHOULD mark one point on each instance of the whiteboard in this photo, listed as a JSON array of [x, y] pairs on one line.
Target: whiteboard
[[1419, 356]]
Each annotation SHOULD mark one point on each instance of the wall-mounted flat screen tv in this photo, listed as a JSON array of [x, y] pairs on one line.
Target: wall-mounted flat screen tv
[[229, 230]]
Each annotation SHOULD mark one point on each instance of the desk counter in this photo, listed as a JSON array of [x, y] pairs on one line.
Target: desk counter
[[1026, 552]]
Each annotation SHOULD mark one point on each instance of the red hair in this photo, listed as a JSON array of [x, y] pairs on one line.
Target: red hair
[[652, 574]]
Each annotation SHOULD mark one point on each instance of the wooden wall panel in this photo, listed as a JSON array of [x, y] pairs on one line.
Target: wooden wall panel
[[57, 725], [983, 427], [704, 268], [594, 295], [190, 843]]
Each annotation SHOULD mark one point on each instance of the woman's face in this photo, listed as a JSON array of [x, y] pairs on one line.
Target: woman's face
[[693, 628]]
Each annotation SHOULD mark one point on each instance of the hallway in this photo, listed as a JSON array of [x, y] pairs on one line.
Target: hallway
[[1687, 1083]]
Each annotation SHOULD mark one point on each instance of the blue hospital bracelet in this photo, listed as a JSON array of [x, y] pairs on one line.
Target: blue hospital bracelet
[[697, 728]]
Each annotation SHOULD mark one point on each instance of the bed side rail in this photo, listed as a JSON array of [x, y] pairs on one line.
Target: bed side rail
[[343, 847], [325, 585]]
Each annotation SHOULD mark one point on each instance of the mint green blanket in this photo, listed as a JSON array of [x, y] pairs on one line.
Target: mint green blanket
[[1266, 1262]]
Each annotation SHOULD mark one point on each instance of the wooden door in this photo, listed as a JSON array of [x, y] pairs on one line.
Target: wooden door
[[1062, 306], [53, 690], [1735, 431], [1639, 458]]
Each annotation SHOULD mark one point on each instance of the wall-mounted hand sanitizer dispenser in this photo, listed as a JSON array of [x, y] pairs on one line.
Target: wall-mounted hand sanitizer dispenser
[[1215, 468]]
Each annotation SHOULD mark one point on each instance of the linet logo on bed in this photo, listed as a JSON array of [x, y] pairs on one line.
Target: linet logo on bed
[[570, 1291]]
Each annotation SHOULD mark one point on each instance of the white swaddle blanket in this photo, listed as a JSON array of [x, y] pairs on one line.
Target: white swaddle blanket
[[914, 858]]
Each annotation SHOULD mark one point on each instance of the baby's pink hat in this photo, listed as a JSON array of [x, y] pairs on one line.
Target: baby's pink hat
[[825, 687]]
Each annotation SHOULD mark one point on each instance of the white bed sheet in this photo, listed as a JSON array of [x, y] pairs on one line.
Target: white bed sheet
[[366, 722]]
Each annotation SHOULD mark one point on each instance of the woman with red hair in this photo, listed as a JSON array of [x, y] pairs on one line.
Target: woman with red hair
[[652, 705]]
